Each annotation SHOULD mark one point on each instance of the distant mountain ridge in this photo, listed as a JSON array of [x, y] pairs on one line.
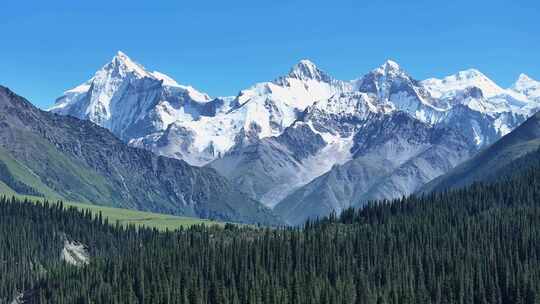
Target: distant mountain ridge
[[68, 158], [151, 110], [495, 161], [277, 137]]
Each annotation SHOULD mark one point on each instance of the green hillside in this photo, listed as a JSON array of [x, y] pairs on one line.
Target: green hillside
[[11, 169], [125, 217], [15, 175], [140, 218]]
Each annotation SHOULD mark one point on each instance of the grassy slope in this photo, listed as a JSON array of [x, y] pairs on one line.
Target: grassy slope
[[5, 190], [124, 216], [140, 218], [24, 175], [73, 180]]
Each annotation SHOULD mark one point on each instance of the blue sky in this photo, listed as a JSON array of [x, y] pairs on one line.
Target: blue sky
[[221, 47]]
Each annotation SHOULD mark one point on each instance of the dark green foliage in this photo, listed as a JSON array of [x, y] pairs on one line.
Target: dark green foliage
[[476, 245]]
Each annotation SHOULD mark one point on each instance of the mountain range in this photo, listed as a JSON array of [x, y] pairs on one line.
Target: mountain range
[[306, 143], [515, 152], [61, 157]]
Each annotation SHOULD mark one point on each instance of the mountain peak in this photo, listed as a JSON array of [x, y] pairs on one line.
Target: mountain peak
[[121, 54], [527, 86], [460, 81], [524, 78], [389, 68], [121, 61], [307, 63], [525, 81], [469, 74], [390, 65], [121, 57], [306, 70]]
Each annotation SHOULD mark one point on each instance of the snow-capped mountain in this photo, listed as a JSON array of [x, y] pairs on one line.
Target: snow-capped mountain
[[436, 101], [275, 105], [528, 87], [390, 83], [136, 105], [496, 99], [462, 80], [151, 110], [270, 168], [274, 175], [393, 154], [276, 138], [121, 94]]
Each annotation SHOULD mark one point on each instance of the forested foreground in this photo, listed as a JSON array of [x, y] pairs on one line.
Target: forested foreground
[[477, 245]]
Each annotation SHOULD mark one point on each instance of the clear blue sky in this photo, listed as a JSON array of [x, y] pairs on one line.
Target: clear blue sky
[[221, 47]]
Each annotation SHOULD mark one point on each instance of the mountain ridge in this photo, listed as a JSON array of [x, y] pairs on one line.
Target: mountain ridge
[[272, 105], [258, 138], [84, 162], [485, 165]]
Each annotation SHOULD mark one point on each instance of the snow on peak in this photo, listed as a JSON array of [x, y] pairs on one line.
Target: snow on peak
[[352, 103], [307, 70], [168, 81], [460, 81], [123, 92], [469, 74], [523, 78], [304, 65], [390, 65], [124, 64], [193, 93], [525, 82], [527, 86]]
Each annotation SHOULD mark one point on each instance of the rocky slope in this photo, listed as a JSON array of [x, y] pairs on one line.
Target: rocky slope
[[393, 155], [493, 162], [78, 160]]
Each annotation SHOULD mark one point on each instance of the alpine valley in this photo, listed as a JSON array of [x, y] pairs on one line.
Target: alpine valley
[[305, 143]]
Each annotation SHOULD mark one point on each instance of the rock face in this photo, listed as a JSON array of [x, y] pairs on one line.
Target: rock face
[[81, 161], [306, 135], [268, 168], [392, 155], [504, 158], [75, 254]]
